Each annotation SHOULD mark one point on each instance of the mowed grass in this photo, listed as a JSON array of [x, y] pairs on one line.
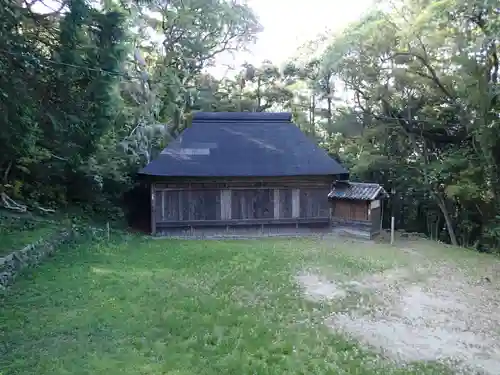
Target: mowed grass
[[141, 306]]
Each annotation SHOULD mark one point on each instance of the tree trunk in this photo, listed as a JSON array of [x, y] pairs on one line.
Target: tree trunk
[[330, 116], [312, 116], [449, 223], [259, 99]]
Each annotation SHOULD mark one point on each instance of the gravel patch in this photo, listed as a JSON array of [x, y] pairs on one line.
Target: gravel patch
[[443, 318], [320, 289]]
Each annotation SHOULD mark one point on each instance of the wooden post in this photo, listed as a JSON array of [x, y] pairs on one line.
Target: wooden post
[[296, 203], [392, 230], [393, 203], [225, 204], [381, 215], [276, 201], [153, 210], [163, 199]]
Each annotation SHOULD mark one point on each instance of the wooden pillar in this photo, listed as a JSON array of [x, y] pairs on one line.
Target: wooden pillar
[[163, 203], [180, 196], [296, 203], [276, 201], [225, 204], [153, 210], [381, 215]]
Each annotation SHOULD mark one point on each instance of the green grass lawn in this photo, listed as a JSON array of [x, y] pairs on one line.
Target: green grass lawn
[[142, 306]]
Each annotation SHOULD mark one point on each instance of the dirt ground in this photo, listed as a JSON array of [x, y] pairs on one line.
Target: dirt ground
[[432, 309]]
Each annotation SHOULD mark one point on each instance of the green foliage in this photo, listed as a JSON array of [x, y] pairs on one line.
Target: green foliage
[[407, 96], [87, 92], [422, 79]]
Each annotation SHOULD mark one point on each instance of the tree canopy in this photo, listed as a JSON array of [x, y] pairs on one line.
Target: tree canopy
[[407, 96]]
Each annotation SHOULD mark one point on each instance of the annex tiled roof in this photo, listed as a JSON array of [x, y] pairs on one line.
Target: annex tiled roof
[[235, 144], [357, 191]]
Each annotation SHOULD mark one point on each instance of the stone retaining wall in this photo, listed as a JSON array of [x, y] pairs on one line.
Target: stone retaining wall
[[29, 256]]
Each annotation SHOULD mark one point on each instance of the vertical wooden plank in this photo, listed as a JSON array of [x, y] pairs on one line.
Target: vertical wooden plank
[[201, 211], [381, 214], [229, 203], [163, 208], [305, 203], [263, 204], [248, 204], [276, 201], [285, 203], [191, 210], [225, 204], [242, 204], [296, 203], [215, 196], [153, 209], [251, 206], [181, 206], [235, 207], [169, 205], [314, 202], [197, 206], [223, 208]]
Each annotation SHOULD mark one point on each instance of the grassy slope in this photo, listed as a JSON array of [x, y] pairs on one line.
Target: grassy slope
[[16, 233], [185, 307]]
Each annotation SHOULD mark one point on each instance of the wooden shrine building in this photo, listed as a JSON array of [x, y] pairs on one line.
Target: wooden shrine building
[[233, 169], [357, 207]]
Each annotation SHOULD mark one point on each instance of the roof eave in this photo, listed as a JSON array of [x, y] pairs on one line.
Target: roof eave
[[239, 176]]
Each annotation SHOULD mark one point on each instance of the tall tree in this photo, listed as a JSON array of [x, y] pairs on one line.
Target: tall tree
[[424, 86]]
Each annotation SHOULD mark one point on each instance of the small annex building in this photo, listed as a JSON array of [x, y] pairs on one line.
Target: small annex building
[[357, 207], [233, 169]]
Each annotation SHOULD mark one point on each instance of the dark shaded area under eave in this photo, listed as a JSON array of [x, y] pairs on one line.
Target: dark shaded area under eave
[[250, 144]]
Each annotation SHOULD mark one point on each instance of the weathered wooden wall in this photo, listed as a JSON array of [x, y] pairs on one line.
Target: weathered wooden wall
[[376, 216], [314, 202], [252, 204], [285, 206], [350, 209], [359, 216], [236, 201], [179, 205]]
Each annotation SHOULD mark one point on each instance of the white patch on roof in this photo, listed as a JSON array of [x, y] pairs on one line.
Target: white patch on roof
[[254, 140], [194, 151]]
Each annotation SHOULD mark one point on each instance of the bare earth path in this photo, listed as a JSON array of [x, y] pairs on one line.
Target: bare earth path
[[434, 308]]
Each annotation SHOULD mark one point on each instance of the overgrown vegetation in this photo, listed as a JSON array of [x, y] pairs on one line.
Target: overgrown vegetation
[[93, 91], [424, 78], [16, 232]]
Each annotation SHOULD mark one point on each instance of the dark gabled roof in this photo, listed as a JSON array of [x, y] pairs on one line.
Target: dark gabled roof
[[219, 144], [357, 191]]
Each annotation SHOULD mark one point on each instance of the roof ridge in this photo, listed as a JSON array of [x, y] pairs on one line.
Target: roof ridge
[[364, 183], [242, 117]]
